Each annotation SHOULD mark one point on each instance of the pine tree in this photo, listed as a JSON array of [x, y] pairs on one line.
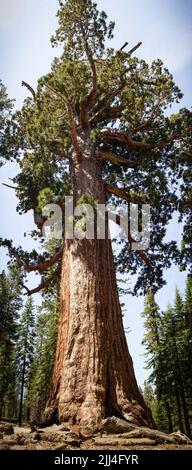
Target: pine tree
[[168, 349], [157, 360], [45, 347], [25, 352], [169, 340], [10, 305], [160, 416], [181, 351], [188, 335], [96, 128], [148, 395]]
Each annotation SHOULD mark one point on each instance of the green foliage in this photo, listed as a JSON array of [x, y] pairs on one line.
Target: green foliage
[[25, 353], [168, 350], [45, 347], [79, 22], [10, 305], [5, 108], [160, 416], [43, 146], [148, 395]]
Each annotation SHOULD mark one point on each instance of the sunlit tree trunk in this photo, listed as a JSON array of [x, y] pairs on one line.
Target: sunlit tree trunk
[[93, 376]]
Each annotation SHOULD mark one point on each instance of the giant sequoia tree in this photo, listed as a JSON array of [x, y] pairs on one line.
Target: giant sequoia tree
[[97, 129]]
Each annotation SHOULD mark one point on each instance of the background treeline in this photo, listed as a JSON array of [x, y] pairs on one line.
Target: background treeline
[[27, 349], [168, 343]]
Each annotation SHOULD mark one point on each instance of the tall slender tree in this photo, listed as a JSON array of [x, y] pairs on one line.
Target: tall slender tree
[[10, 305], [181, 353], [157, 360], [168, 350], [45, 348], [96, 129], [5, 109], [25, 352]]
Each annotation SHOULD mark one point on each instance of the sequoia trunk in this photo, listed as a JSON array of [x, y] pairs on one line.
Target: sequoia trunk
[[93, 376]]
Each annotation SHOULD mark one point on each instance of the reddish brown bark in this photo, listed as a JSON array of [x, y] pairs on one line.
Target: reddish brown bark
[[93, 374]]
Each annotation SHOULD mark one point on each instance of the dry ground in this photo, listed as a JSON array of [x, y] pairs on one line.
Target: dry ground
[[68, 438]]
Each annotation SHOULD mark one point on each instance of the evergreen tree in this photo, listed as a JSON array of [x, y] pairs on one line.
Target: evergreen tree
[[157, 360], [25, 352], [97, 128], [10, 305], [182, 354], [148, 395], [160, 416], [45, 347], [188, 307], [5, 109], [168, 350]]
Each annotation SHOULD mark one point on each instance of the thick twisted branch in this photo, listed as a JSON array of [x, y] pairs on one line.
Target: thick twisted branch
[[116, 160], [123, 194], [44, 265]]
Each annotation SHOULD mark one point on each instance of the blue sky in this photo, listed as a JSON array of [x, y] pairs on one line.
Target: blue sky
[[165, 28]]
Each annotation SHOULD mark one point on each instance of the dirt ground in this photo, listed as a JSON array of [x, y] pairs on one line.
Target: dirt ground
[[54, 438]]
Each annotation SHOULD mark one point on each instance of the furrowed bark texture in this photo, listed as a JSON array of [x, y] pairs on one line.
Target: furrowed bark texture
[[93, 376]]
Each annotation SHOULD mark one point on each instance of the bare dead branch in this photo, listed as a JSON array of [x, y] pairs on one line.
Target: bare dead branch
[[9, 186], [124, 46], [134, 48], [29, 87]]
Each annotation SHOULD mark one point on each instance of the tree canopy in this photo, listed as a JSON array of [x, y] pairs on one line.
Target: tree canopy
[[122, 104]]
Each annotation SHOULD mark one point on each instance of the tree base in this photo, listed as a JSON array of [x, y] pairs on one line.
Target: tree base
[[90, 417]]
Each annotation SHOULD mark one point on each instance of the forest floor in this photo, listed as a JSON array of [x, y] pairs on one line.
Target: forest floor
[[59, 438]]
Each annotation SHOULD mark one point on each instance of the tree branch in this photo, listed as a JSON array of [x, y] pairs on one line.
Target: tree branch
[[103, 102], [71, 121], [170, 139], [116, 160], [111, 95], [123, 194], [108, 113], [123, 46], [147, 123], [89, 101], [73, 132], [116, 218], [41, 266], [123, 139], [134, 49], [29, 87], [43, 285], [9, 186]]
